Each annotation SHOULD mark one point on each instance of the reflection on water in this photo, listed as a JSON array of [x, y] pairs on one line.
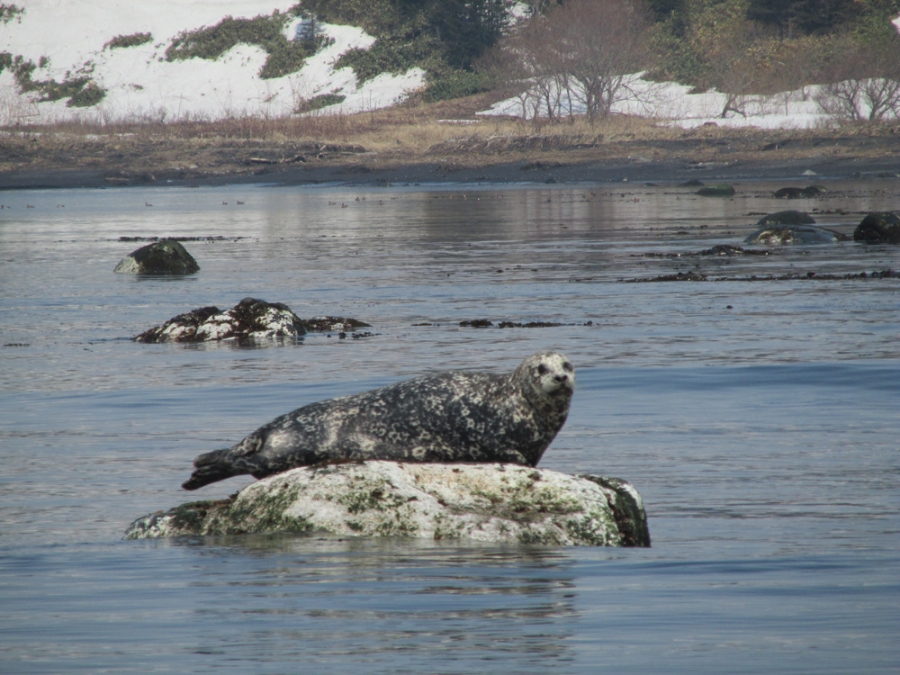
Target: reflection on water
[[758, 420]]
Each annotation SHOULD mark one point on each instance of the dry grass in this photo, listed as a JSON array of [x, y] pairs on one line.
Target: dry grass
[[403, 134]]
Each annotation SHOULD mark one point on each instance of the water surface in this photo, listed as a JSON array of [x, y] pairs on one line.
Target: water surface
[[758, 419]]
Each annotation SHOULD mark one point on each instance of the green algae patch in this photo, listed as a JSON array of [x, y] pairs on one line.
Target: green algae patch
[[262, 513], [501, 503]]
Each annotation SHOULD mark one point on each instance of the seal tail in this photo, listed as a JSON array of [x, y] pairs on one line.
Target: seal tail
[[211, 467]]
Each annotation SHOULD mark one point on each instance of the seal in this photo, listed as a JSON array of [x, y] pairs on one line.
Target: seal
[[456, 416]]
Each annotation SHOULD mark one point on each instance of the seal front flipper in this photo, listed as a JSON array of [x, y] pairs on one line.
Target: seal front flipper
[[211, 467]]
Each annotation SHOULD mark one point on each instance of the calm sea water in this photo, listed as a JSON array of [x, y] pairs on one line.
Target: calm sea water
[[758, 419]]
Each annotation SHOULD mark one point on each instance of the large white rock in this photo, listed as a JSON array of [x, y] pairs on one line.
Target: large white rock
[[486, 502]]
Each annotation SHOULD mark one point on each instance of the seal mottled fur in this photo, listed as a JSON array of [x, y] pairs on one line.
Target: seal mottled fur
[[449, 417]]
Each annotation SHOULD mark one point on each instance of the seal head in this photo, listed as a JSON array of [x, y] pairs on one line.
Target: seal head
[[449, 417]]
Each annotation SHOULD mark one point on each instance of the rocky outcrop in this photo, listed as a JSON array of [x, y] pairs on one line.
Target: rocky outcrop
[[166, 256], [878, 228], [486, 502], [250, 319]]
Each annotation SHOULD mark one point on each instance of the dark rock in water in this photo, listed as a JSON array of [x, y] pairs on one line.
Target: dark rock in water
[[785, 235], [807, 192], [162, 257], [786, 218], [250, 319], [335, 324], [693, 182], [878, 228], [722, 249], [719, 190], [476, 323], [486, 502], [528, 324], [680, 276]]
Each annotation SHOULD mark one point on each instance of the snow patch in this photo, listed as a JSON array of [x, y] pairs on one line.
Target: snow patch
[[141, 84], [674, 104]]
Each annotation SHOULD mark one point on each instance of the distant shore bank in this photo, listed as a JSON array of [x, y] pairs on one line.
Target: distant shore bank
[[712, 157]]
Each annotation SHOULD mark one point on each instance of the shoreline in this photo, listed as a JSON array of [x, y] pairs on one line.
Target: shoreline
[[431, 173], [708, 156]]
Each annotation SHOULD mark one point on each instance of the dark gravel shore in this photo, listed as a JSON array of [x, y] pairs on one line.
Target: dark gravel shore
[[511, 172], [744, 156]]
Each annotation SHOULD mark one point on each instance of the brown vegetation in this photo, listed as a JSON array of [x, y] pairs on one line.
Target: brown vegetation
[[447, 133], [579, 53]]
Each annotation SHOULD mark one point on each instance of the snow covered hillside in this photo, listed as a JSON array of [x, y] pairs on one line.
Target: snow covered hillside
[[73, 41], [111, 60]]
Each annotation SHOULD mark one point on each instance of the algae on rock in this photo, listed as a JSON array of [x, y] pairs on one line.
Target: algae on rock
[[486, 502]]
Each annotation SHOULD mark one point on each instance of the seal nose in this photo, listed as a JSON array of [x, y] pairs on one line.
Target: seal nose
[[561, 378]]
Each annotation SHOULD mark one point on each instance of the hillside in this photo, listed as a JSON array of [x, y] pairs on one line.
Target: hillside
[[172, 61], [92, 93], [163, 61]]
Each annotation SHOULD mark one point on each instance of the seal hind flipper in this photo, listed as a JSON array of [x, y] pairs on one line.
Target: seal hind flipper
[[211, 467]]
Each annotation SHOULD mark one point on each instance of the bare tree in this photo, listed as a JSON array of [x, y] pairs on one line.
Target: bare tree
[[866, 100], [581, 52], [864, 82], [599, 43], [528, 63]]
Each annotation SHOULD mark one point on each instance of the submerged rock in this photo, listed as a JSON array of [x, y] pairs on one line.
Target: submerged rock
[[336, 324], [719, 190], [786, 235], [250, 319], [808, 192], [486, 502], [878, 228], [790, 217], [162, 257]]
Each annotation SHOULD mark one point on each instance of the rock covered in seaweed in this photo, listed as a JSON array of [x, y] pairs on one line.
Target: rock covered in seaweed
[[334, 324], [250, 319], [166, 256], [486, 502], [808, 192], [878, 228], [718, 190]]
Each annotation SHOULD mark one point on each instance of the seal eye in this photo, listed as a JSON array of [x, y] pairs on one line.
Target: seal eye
[[568, 367], [543, 370]]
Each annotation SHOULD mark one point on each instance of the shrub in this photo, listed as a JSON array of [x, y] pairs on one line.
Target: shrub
[[81, 91], [455, 84], [318, 102], [10, 12], [133, 40], [389, 55], [266, 32], [443, 37], [89, 94]]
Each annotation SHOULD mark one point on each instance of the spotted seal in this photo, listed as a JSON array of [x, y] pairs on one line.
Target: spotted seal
[[455, 416]]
